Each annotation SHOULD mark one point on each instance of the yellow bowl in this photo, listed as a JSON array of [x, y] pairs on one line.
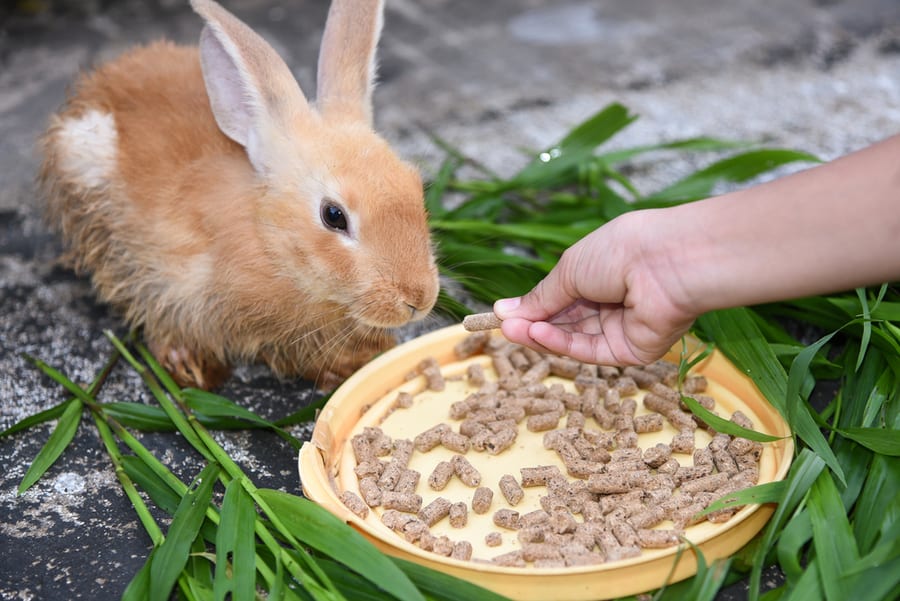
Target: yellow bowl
[[326, 468]]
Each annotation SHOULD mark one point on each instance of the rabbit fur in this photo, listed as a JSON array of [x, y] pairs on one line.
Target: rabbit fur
[[231, 219]]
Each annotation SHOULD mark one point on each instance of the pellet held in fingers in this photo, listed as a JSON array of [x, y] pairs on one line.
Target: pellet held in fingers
[[481, 321]]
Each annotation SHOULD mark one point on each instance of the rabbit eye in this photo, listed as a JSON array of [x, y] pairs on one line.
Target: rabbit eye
[[333, 217]]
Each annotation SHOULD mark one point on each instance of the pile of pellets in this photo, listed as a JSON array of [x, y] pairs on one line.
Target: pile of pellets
[[611, 500]]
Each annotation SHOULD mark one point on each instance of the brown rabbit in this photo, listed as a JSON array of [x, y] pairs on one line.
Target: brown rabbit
[[229, 218]]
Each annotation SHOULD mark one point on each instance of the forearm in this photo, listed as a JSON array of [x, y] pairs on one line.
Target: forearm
[[833, 227]]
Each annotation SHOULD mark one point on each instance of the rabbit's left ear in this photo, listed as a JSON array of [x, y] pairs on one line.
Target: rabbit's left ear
[[253, 95], [346, 70]]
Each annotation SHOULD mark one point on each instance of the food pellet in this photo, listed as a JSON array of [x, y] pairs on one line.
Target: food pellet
[[493, 539], [462, 550], [511, 490], [435, 511], [542, 422], [475, 374], [563, 367], [443, 546], [657, 539], [506, 518], [459, 514], [499, 442], [481, 499], [441, 475], [372, 468], [454, 441], [465, 471], [401, 501], [683, 442], [434, 378], [536, 551], [472, 344], [538, 476], [355, 504], [395, 520], [404, 400], [390, 476], [371, 493], [651, 422], [481, 321], [408, 481], [608, 483], [430, 438], [512, 559]]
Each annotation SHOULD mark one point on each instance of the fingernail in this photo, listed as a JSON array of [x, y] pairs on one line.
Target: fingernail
[[505, 305]]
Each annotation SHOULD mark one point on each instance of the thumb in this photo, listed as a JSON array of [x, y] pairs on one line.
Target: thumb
[[550, 296]]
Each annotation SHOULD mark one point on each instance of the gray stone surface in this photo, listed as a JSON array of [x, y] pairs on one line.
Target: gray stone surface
[[489, 77]]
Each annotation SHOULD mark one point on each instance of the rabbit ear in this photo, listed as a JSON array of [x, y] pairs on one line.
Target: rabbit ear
[[346, 71], [252, 92]]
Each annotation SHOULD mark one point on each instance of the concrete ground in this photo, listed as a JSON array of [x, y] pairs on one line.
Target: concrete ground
[[489, 77]]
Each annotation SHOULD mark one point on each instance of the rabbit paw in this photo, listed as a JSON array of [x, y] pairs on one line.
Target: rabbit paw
[[190, 369]]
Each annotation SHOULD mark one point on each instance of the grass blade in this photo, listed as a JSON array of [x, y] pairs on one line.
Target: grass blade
[[35, 419], [171, 557], [217, 406], [832, 537], [737, 335], [443, 587], [724, 426], [878, 502], [735, 169], [323, 531], [770, 492], [235, 546], [880, 440], [62, 435], [804, 471]]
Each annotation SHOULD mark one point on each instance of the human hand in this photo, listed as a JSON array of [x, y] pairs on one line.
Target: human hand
[[614, 297]]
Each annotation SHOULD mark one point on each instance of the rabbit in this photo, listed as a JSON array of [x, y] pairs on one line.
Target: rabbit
[[230, 219]]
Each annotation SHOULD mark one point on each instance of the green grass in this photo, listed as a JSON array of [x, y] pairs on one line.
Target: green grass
[[835, 532]]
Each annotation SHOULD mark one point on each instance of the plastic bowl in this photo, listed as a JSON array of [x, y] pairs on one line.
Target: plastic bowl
[[326, 468]]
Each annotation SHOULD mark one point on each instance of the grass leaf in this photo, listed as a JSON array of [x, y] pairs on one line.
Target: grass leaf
[[880, 440], [832, 537], [35, 419], [736, 335], [720, 424], [172, 555], [217, 406], [803, 472], [62, 435], [769, 492], [323, 531], [443, 587], [235, 546], [735, 169]]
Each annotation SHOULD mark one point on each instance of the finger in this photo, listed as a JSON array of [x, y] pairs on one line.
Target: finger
[[588, 348]]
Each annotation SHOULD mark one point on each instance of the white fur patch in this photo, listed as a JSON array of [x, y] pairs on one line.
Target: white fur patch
[[87, 146]]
